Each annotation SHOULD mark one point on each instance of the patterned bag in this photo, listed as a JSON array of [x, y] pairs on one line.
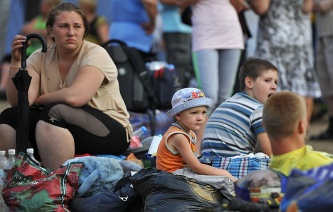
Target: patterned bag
[[30, 187], [239, 166]]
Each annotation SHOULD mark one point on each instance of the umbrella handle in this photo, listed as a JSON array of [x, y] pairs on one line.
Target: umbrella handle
[[30, 36]]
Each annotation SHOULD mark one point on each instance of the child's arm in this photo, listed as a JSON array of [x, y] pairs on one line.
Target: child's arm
[[264, 143], [180, 143]]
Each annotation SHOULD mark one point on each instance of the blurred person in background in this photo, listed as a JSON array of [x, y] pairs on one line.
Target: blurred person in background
[[324, 59], [177, 41], [217, 41], [98, 25], [38, 23], [134, 22]]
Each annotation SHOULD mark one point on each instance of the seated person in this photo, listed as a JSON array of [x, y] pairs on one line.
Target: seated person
[[74, 91], [284, 118], [235, 127], [177, 147]]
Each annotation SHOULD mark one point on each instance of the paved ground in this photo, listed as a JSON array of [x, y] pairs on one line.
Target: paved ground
[[316, 126]]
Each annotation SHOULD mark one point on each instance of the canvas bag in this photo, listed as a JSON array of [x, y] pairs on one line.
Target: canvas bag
[[30, 187], [241, 165]]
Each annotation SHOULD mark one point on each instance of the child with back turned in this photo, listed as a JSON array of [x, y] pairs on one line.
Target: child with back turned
[[178, 145]]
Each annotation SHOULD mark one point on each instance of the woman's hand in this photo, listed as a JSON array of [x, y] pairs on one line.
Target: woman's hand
[[37, 102], [17, 46]]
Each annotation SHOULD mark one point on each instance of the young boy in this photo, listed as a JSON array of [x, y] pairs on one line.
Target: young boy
[[177, 147], [235, 127], [284, 118]]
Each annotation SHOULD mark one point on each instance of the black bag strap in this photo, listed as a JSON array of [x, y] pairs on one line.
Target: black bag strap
[[140, 69], [122, 43], [143, 74]]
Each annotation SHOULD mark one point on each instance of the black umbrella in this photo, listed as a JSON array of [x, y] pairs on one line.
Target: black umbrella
[[22, 81]]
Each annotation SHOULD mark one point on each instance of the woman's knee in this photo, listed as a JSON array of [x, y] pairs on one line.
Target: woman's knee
[[54, 114]]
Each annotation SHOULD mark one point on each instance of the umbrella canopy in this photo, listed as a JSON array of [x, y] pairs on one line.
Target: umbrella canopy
[[22, 81]]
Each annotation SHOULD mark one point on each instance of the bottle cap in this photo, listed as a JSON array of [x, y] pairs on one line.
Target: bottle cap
[[144, 129], [30, 150], [11, 151]]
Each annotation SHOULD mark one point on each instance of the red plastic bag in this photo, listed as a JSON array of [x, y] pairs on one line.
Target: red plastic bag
[[30, 187]]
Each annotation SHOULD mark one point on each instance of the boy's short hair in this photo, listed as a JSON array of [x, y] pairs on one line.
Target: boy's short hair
[[282, 111], [253, 68]]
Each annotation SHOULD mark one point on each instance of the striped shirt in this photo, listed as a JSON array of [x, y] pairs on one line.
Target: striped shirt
[[232, 128]]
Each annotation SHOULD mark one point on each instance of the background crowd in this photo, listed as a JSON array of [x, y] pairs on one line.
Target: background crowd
[[296, 37]]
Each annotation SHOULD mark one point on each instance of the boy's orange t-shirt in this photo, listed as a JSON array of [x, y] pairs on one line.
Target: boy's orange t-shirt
[[168, 159]]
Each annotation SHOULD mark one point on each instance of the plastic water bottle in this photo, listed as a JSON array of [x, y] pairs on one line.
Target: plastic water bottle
[[10, 161], [3, 161], [205, 158], [8, 166], [30, 152], [139, 132], [135, 141]]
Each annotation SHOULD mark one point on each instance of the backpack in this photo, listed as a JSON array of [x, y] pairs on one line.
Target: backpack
[[165, 82], [133, 76], [143, 85]]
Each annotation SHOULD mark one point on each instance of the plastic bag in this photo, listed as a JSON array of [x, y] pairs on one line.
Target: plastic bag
[[310, 190], [163, 191], [30, 187]]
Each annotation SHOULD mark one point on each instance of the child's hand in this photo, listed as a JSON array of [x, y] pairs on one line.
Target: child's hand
[[234, 179]]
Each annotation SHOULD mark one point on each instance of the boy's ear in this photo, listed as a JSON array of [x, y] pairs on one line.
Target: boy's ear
[[248, 82], [177, 116]]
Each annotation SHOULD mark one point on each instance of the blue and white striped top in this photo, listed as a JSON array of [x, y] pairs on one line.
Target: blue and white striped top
[[233, 126]]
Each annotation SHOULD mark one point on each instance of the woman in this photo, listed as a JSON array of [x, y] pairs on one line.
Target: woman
[[285, 40], [75, 85], [217, 42]]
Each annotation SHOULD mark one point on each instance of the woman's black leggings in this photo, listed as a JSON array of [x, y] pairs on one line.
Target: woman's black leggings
[[94, 132]]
